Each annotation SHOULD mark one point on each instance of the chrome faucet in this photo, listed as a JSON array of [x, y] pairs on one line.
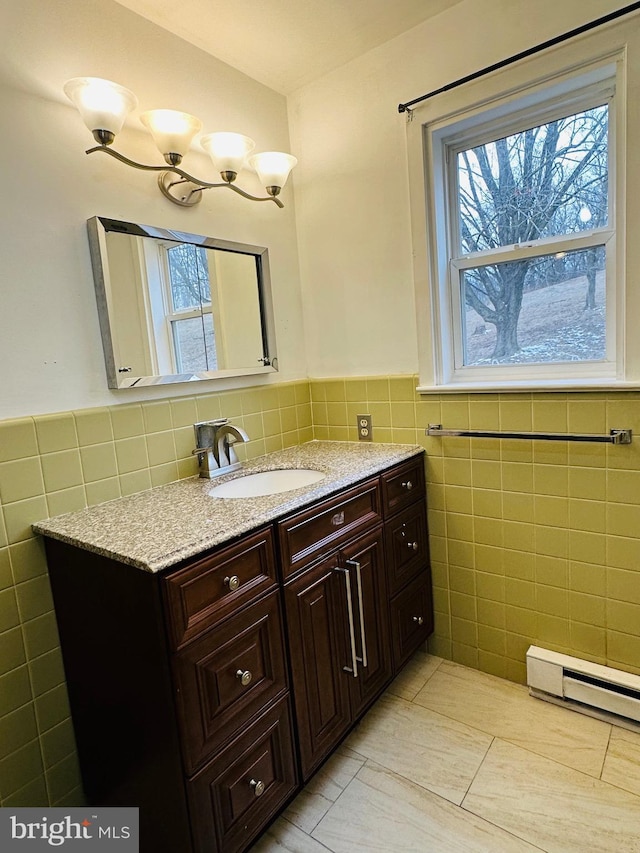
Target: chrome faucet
[[214, 447], [228, 435]]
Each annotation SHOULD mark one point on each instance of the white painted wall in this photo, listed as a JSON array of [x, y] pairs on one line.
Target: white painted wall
[[50, 348], [352, 191], [350, 227]]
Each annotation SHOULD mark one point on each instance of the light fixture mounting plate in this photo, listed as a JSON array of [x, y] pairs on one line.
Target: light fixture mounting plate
[[178, 190]]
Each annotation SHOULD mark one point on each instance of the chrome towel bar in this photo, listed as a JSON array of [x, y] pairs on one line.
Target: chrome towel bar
[[615, 436]]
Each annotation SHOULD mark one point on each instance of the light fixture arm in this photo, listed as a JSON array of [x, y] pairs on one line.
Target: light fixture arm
[[167, 186]]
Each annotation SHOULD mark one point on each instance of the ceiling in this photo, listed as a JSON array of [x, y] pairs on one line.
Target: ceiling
[[286, 44]]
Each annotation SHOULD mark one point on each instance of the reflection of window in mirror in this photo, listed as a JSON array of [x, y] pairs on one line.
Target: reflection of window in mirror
[[189, 308], [174, 308], [192, 294]]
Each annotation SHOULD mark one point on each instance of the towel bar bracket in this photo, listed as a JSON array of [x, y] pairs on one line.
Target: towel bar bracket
[[615, 436]]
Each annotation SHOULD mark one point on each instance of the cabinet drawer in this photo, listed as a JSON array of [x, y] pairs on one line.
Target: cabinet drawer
[[236, 795], [314, 531], [226, 676], [403, 485], [216, 586], [411, 618], [407, 546]]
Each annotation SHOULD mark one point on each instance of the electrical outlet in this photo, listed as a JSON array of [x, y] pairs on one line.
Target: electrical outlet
[[365, 428]]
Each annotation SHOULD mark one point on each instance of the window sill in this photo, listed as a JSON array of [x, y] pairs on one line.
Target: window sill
[[542, 385]]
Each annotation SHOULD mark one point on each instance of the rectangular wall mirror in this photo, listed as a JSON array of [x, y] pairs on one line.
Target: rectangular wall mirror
[[178, 307]]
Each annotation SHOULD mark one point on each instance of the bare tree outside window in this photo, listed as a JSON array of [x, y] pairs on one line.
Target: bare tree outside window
[[546, 184], [191, 316]]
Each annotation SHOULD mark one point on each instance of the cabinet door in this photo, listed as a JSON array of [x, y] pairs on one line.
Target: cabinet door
[[365, 560], [316, 617], [411, 618]]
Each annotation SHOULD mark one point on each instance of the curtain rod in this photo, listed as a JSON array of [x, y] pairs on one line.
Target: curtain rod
[[625, 10]]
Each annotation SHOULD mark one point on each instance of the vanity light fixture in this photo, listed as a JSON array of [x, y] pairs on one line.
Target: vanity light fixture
[[104, 106]]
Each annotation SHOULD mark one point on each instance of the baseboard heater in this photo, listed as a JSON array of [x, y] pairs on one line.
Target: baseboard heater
[[599, 691]]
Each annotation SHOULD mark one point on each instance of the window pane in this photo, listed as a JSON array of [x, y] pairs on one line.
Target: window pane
[[194, 344], [540, 310], [189, 277], [546, 181]]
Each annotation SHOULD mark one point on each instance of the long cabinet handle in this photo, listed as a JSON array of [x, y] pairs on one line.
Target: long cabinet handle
[[352, 635], [363, 635]]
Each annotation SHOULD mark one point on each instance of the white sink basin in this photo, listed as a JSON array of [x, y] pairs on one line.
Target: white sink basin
[[266, 483]]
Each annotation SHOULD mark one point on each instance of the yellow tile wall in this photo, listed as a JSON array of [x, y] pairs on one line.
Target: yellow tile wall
[[54, 464], [531, 541]]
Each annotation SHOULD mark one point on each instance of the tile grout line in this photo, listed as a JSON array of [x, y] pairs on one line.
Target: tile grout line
[[310, 834], [484, 757], [485, 819], [606, 752], [519, 745]]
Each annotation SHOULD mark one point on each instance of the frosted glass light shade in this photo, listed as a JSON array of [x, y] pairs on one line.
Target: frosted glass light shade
[[228, 151], [273, 169], [172, 132], [102, 104]]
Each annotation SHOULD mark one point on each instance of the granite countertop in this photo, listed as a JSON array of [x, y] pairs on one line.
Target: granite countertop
[[155, 529]]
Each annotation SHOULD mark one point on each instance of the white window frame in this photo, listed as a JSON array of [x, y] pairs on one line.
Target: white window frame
[[471, 120], [173, 315]]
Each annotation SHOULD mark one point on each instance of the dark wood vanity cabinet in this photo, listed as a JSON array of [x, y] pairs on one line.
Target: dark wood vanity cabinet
[[208, 693], [359, 606], [407, 559], [338, 643], [179, 691]]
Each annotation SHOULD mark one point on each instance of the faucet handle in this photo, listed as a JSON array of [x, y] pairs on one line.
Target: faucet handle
[[217, 422], [200, 450]]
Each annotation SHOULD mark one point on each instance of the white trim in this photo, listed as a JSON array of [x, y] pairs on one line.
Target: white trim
[[560, 72], [536, 385]]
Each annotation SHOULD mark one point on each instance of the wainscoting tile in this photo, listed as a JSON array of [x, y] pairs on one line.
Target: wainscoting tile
[[507, 711], [551, 806]]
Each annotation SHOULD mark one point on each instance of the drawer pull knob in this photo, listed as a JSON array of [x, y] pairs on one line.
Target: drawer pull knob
[[408, 485], [419, 620], [258, 787], [233, 582], [244, 675], [413, 546]]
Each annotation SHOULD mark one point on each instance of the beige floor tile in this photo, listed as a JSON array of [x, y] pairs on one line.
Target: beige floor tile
[[334, 776], [324, 788], [622, 763], [307, 809], [380, 811], [438, 753], [414, 676], [283, 837], [552, 806], [507, 711]]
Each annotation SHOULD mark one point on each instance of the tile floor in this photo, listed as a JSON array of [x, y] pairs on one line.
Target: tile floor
[[451, 760]]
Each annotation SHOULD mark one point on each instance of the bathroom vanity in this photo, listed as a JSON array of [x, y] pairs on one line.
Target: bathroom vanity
[[218, 650]]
